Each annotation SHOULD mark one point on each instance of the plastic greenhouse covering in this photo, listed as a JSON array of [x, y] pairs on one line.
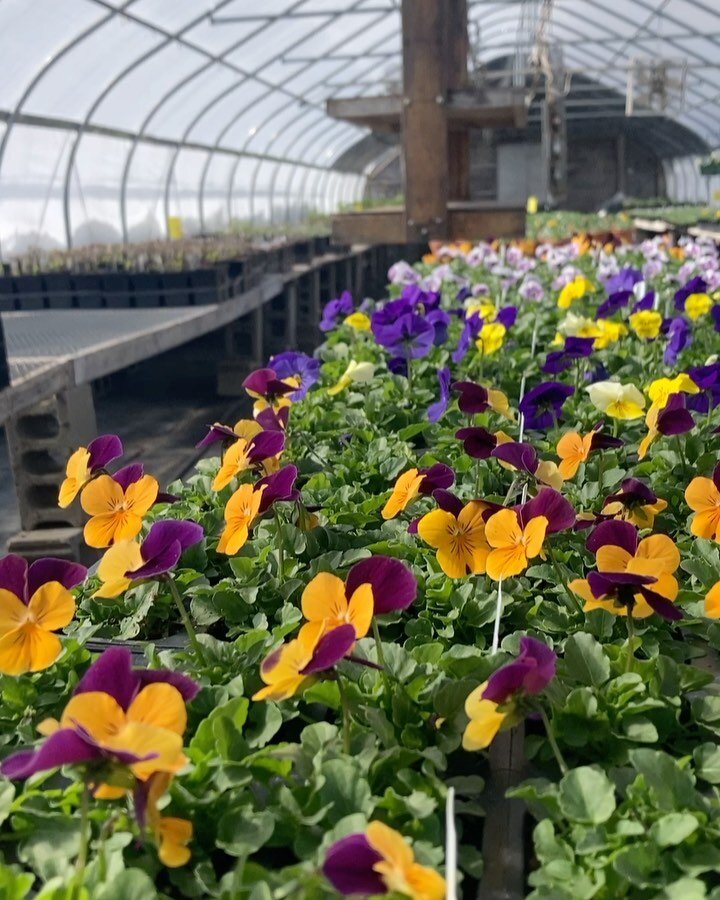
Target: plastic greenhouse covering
[[118, 114]]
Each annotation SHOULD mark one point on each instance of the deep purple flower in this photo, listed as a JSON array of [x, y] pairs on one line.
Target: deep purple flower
[[164, 545], [529, 674], [679, 336], [645, 303], [625, 280], [103, 450], [715, 313], [342, 306], [471, 329], [293, 364], [394, 586], [217, 432], [614, 302], [473, 397], [411, 337], [550, 503], [398, 366], [349, 867], [542, 405], [575, 348], [622, 588], [279, 486], [437, 410], [330, 649], [507, 316], [518, 454], [477, 442], [440, 321], [427, 300], [383, 320], [265, 383], [273, 420], [112, 674], [437, 476], [633, 493], [674, 418]]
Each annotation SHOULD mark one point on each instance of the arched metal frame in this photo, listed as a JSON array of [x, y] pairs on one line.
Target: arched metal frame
[[594, 38]]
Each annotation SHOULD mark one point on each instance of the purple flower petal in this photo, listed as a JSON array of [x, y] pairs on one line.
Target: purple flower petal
[[507, 316], [129, 475], [674, 418], [394, 586], [163, 561], [530, 673], [14, 576], [69, 574], [477, 442], [436, 476], [63, 748], [661, 605], [270, 420], [448, 501], [633, 492], [216, 432], [613, 533], [550, 503], [473, 397], [330, 649], [696, 285], [437, 410], [278, 487], [265, 445], [164, 533], [603, 584], [349, 865], [522, 456], [104, 450], [613, 303]]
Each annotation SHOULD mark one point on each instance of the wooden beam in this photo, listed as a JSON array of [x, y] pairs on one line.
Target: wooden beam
[[466, 221]]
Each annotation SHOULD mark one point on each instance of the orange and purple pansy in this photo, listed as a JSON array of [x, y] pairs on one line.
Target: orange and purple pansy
[[244, 454], [575, 449], [117, 716], [129, 561], [498, 702], [116, 504], [523, 457], [380, 861], [635, 502], [702, 495], [35, 601], [457, 532], [414, 483], [268, 391], [87, 462]]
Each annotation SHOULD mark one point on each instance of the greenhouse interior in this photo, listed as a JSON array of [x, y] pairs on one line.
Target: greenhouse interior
[[360, 388]]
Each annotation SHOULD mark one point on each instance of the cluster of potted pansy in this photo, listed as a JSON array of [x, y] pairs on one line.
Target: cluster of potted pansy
[[488, 503]]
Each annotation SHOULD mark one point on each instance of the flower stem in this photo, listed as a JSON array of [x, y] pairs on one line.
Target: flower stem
[[188, 625], [381, 655], [409, 379], [681, 453], [631, 640], [279, 534], [553, 743], [345, 714], [82, 856], [571, 603]]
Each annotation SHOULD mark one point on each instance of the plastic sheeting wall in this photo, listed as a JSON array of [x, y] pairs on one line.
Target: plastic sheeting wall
[[685, 184]]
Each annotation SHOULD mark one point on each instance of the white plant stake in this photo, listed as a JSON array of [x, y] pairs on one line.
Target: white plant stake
[[450, 846], [499, 605]]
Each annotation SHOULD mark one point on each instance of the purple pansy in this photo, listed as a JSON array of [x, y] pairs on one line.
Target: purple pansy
[[542, 405], [103, 450], [342, 306], [518, 454], [471, 329], [437, 476], [23, 580], [477, 442], [265, 383], [440, 321], [279, 486], [529, 674], [507, 316], [625, 280], [437, 410], [645, 303], [473, 397], [383, 321], [411, 337], [614, 302], [293, 364], [674, 418], [575, 348], [349, 867], [553, 506], [394, 586], [679, 335]]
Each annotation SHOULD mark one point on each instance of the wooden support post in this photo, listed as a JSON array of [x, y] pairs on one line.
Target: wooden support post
[[424, 123], [291, 316], [457, 50]]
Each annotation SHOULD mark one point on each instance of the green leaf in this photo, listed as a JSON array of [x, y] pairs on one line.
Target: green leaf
[[683, 889], [131, 884], [672, 786], [7, 794], [638, 864], [587, 795], [673, 828], [707, 762], [346, 789], [244, 831], [585, 660], [14, 884]]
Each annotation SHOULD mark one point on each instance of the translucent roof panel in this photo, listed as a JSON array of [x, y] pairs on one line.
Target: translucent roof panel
[[115, 114]]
